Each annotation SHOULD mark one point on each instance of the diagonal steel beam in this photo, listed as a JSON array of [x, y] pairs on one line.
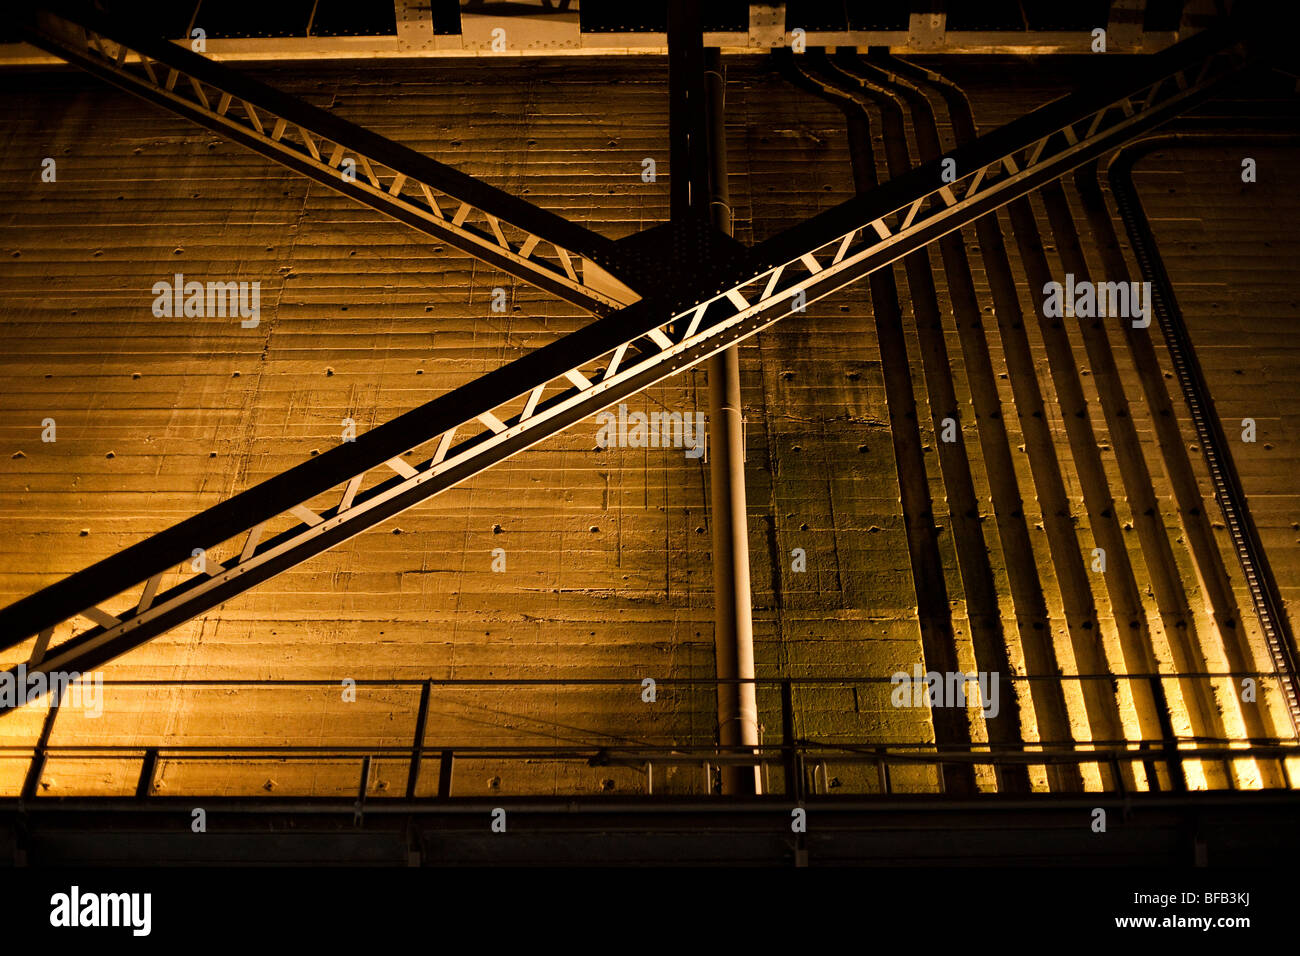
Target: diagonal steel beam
[[469, 429], [520, 239]]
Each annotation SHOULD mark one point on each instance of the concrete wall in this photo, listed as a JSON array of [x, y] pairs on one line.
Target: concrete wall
[[608, 566]]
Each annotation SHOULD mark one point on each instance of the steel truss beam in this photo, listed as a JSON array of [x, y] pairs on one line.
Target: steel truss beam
[[518, 238], [329, 499]]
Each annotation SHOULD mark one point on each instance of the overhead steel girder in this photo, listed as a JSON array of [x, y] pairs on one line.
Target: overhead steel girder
[[520, 239], [546, 391]]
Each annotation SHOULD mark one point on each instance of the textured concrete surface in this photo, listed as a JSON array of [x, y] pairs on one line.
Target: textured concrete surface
[[608, 567]]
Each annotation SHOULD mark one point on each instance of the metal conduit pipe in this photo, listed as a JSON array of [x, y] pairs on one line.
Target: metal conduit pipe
[[1227, 484], [699, 194], [1154, 721], [1149, 698], [1082, 439], [987, 635], [1201, 546], [1139, 489], [1022, 572], [734, 624], [1121, 585], [934, 612]]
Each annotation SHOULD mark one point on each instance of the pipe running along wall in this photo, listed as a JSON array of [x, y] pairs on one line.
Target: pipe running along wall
[[983, 613], [1260, 722], [1153, 719], [734, 624], [938, 639]]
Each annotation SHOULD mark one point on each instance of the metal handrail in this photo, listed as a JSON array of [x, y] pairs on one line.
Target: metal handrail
[[792, 754]]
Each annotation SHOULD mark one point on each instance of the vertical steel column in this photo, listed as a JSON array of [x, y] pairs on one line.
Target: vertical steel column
[[698, 187], [688, 172]]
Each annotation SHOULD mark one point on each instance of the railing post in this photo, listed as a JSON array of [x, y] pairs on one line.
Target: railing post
[[37, 767], [444, 774], [793, 785], [417, 745], [362, 787], [145, 785], [882, 771]]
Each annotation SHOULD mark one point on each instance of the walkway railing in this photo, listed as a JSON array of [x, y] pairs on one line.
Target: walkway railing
[[426, 762]]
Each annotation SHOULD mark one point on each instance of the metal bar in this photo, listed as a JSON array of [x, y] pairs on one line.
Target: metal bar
[[723, 324], [660, 338], [688, 172], [926, 563], [417, 746], [362, 787], [349, 494], [148, 767], [1185, 649], [789, 762], [37, 768], [1228, 490], [249, 110], [370, 173], [625, 682], [401, 467], [306, 515], [530, 406], [1062, 539], [1164, 578], [866, 83], [41, 646], [415, 41], [865, 752], [151, 586], [51, 31], [938, 636], [582, 382], [1153, 713], [733, 629], [699, 313], [445, 762], [617, 358], [444, 445]]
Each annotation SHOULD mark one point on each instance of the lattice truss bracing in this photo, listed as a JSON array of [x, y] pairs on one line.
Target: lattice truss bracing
[[530, 243]]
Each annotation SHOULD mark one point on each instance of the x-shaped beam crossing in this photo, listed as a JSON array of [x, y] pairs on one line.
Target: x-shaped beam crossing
[[140, 592]]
